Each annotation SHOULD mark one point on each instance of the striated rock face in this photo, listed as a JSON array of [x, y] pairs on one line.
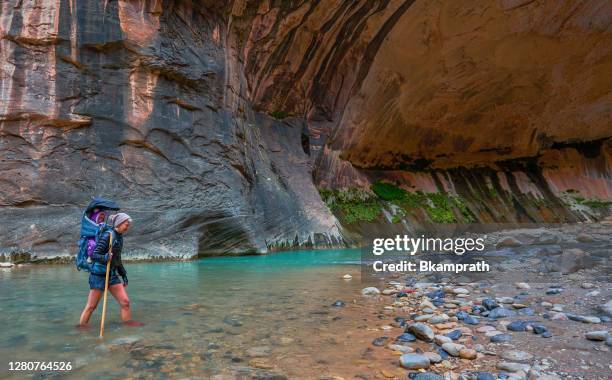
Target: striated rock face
[[145, 102], [208, 121], [469, 84]]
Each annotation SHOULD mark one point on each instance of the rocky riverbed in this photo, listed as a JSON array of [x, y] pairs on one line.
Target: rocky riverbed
[[554, 325]]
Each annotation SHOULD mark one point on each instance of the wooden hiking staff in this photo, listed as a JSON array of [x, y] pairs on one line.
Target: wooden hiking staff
[[110, 247]]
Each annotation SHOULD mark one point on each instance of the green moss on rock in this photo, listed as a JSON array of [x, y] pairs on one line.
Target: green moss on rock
[[354, 204], [439, 206]]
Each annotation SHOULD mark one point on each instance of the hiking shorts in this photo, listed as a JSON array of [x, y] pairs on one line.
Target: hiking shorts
[[97, 281]]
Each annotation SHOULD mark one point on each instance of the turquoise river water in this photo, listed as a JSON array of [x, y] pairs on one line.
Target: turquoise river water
[[229, 317]]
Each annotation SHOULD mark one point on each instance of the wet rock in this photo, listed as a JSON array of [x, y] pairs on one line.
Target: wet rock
[[433, 357], [517, 356], [380, 341], [501, 312], [517, 325], [421, 331], [557, 308], [607, 308], [414, 361], [573, 260], [508, 241], [584, 238], [437, 294], [512, 367], [526, 312], [441, 339], [454, 335], [501, 338], [470, 320], [478, 309], [339, 303], [539, 329], [460, 291], [583, 318], [423, 318], [507, 300], [484, 329], [484, 376], [400, 348], [452, 348], [553, 291], [461, 315], [597, 335], [489, 304], [370, 291], [559, 317], [232, 320], [406, 338], [467, 353], [522, 285], [347, 277], [425, 376], [441, 318], [400, 320], [609, 341]]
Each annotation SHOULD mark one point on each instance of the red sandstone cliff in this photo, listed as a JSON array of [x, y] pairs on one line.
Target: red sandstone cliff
[[209, 120]]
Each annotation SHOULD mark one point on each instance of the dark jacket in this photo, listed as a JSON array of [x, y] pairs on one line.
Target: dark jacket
[[100, 254]]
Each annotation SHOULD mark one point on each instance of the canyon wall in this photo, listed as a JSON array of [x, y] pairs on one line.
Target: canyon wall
[[216, 124]]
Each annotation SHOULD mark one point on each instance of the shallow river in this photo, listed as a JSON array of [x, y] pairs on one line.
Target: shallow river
[[251, 315]]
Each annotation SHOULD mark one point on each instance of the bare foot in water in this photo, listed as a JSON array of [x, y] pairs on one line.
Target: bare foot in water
[[83, 328], [133, 323]]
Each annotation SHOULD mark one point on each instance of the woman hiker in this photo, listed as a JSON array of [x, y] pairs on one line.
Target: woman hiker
[[119, 224]]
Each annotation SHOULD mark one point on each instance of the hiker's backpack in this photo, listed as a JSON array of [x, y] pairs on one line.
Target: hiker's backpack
[[91, 230]]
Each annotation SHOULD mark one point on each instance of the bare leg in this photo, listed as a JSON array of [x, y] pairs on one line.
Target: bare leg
[[118, 291], [92, 303]]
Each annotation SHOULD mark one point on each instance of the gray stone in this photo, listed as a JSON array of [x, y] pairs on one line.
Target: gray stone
[[452, 348], [433, 357], [501, 338], [421, 331], [441, 318], [607, 308], [597, 335], [517, 356], [501, 312], [441, 339], [414, 361], [584, 238], [401, 348], [370, 291], [508, 241], [427, 376], [573, 260], [512, 367]]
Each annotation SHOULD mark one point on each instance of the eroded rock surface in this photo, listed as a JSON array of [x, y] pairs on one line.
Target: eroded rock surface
[[208, 121]]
